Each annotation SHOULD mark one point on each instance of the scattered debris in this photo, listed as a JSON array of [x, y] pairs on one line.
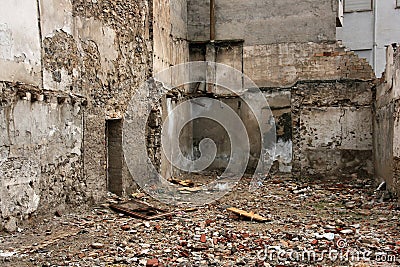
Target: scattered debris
[[316, 220], [138, 195], [346, 231], [328, 236], [125, 227], [203, 238]]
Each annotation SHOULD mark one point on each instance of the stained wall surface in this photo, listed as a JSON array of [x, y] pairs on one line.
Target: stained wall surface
[[41, 148], [332, 128], [73, 65], [387, 123], [264, 21], [78, 63], [20, 49]]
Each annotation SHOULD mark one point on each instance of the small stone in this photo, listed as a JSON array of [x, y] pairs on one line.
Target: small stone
[[11, 225], [6, 254], [97, 245], [152, 262], [350, 205], [215, 241], [364, 213], [145, 251], [328, 236], [346, 231], [125, 227], [58, 213], [382, 219]]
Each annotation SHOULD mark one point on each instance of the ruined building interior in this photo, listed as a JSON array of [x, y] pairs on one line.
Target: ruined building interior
[[70, 69]]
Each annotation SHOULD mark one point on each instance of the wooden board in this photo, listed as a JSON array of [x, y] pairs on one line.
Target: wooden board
[[249, 215]]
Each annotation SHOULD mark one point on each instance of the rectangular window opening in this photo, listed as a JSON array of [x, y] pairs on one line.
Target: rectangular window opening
[[357, 5]]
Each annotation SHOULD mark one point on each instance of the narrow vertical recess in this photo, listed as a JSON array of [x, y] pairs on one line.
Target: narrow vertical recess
[[212, 20], [114, 156]]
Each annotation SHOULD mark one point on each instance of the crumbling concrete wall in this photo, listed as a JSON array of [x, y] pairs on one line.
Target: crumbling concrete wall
[[102, 51], [281, 65], [275, 68], [170, 33], [264, 22], [207, 128], [387, 123], [170, 48], [20, 50], [41, 138], [279, 100], [278, 56], [115, 40], [82, 61], [41, 131], [332, 128]]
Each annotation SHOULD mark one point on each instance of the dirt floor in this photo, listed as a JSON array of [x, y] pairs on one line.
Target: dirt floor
[[308, 223]]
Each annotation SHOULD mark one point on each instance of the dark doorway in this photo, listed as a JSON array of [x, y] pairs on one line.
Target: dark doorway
[[114, 156]]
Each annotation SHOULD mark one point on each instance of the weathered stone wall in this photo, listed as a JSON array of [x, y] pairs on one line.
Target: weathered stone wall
[[80, 62], [275, 68], [264, 21], [170, 48], [332, 128], [387, 123], [116, 41], [70, 54], [41, 144]]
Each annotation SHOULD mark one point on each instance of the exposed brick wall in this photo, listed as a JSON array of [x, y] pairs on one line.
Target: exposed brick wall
[[99, 52], [348, 66], [279, 65]]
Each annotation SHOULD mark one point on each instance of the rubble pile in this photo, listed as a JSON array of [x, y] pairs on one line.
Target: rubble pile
[[303, 223]]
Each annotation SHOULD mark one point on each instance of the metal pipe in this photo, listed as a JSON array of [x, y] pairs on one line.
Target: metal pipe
[[212, 20]]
